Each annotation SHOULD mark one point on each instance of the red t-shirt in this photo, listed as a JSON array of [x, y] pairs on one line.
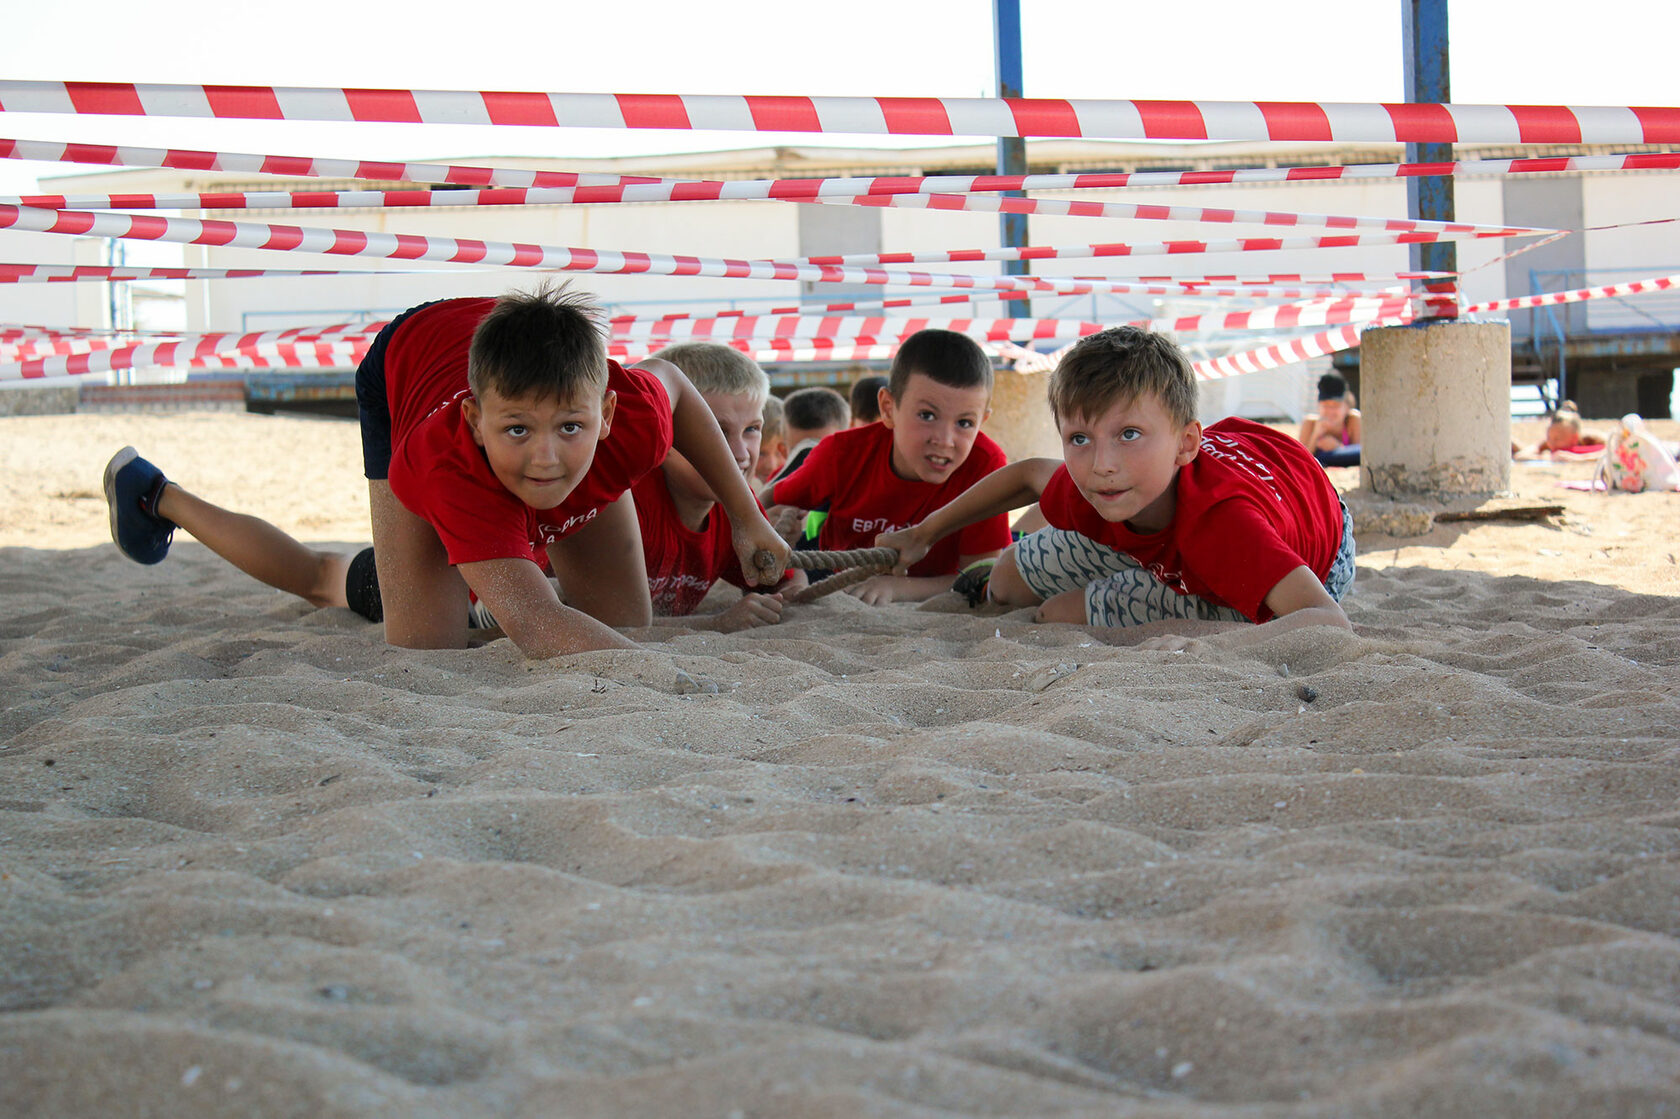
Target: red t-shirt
[[440, 473], [1253, 505], [682, 563], [851, 472]]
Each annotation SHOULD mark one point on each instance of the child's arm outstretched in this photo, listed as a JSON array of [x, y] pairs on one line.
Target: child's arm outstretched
[[1012, 486], [599, 593], [696, 436], [1297, 601]]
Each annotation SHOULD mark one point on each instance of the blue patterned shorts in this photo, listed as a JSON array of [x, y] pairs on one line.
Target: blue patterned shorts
[[1119, 591]]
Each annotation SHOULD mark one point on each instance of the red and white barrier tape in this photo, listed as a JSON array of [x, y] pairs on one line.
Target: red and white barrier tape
[[1161, 285], [899, 116], [760, 327], [347, 242], [602, 186], [81, 340], [858, 306], [26, 349], [1288, 353], [1577, 295], [296, 360], [350, 242], [1134, 211], [184, 354], [1287, 316], [1140, 248], [182, 348], [557, 196], [300, 166], [76, 273]]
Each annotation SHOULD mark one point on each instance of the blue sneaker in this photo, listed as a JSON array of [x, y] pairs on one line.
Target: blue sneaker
[[971, 581], [132, 486]]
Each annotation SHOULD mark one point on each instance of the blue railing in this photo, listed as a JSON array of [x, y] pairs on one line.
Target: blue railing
[[1551, 328]]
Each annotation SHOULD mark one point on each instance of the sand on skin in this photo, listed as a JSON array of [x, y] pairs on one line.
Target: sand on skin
[[911, 861]]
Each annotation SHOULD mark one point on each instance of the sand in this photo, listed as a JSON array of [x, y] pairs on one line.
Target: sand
[[906, 861]]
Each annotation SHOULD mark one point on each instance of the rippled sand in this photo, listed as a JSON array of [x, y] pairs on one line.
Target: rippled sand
[[911, 861]]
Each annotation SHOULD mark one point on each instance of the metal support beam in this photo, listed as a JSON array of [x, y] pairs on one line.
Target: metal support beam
[[1012, 150], [1427, 75]]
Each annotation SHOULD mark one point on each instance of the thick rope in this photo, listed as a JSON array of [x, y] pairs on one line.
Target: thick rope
[[838, 561], [838, 582], [853, 566]]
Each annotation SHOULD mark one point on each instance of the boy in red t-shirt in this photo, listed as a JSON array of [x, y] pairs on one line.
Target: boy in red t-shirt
[[686, 536], [490, 428], [1153, 519], [926, 449]]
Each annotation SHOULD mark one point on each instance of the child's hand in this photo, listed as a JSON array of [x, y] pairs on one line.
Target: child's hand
[[787, 521], [763, 553], [752, 611], [911, 547], [877, 590]]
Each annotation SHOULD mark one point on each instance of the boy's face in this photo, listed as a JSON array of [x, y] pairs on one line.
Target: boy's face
[[933, 427], [539, 447], [1124, 461], [741, 418], [772, 456]]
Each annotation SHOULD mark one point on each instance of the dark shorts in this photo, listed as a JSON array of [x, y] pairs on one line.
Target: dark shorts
[[372, 406]]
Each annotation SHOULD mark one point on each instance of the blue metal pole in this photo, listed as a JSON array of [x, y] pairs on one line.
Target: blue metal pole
[[1427, 74], [1012, 150]]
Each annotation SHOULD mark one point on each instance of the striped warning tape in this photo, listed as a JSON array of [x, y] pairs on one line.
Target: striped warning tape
[[1577, 295], [1288, 353], [339, 338], [345, 242], [548, 196], [76, 273], [183, 354], [1139, 248], [607, 188], [826, 326], [899, 116], [761, 328]]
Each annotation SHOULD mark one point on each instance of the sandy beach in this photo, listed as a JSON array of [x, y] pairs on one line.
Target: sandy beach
[[910, 861]]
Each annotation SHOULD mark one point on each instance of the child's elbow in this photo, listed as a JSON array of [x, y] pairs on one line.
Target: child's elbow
[[1331, 615]]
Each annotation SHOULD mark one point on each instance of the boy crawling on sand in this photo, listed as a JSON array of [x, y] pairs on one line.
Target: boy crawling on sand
[[926, 449], [686, 537], [1153, 519], [491, 428]]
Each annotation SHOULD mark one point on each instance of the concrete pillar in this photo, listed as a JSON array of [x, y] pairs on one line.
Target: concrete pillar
[[1021, 419], [1436, 403]]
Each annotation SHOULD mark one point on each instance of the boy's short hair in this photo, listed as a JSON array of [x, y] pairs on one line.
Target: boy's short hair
[[773, 427], [548, 342], [866, 398], [1118, 365], [944, 356], [814, 408], [715, 368]]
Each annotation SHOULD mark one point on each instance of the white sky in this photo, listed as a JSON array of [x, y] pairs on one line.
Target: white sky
[[1541, 51]]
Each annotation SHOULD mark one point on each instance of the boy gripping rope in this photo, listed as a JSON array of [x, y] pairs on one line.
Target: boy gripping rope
[[926, 450], [1153, 519], [686, 536], [490, 429]]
